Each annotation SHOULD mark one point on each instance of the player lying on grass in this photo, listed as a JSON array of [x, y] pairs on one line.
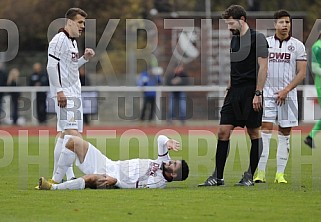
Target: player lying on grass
[[101, 172]]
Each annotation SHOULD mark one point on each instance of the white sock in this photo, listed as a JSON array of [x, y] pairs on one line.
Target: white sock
[[67, 157], [282, 155], [70, 172], [57, 152], [77, 184], [266, 137]]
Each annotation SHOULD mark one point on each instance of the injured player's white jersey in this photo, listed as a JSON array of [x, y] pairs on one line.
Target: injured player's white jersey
[[141, 173], [134, 173], [138, 173]]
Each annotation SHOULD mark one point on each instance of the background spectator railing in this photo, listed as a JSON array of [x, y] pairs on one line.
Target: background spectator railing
[[117, 103]]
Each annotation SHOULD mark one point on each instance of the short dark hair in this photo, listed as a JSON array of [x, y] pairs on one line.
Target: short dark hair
[[234, 11], [281, 13], [73, 12], [183, 173]]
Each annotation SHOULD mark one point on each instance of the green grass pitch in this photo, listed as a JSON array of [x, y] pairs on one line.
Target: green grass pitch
[[24, 159]]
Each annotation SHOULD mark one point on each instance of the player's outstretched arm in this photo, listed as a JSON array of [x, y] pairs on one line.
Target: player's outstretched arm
[[173, 145], [164, 145]]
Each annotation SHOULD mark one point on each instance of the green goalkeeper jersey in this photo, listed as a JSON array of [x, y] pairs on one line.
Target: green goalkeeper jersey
[[316, 58]]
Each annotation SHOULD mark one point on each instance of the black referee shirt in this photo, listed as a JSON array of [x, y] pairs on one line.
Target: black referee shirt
[[244, 54]]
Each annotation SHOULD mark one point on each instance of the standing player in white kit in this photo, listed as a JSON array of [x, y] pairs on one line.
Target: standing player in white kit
[[65, 87], [287, 68]]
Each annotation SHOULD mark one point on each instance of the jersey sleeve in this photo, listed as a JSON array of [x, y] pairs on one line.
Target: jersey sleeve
[[316, 53], [81, 61], [163, 154], [262, 47], [55, 50], [316, 59], [53, 74], [152, 183], [57, 47], [155, 182], [301, 53], [124, 185]]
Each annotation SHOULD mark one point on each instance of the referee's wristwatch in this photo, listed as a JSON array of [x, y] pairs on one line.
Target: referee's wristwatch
[[258, 93]]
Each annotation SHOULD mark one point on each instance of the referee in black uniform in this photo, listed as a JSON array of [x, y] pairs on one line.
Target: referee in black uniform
[[243, 102]]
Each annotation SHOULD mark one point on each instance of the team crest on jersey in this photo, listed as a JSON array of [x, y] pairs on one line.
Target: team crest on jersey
[[291, 48], [74, 56]]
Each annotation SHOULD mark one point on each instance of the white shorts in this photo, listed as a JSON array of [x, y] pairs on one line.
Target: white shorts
[[285, 115], [95, 162], [70, 117]]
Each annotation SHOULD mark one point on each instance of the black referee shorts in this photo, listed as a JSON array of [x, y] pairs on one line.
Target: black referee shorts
[[238, 109]]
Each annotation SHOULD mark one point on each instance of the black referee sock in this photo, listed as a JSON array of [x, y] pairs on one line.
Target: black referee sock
[[255, 154], [221, 155], [214, 174]]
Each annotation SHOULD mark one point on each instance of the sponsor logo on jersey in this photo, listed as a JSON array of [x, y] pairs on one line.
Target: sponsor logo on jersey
[[153, 169], [279, 57], [74, 57]]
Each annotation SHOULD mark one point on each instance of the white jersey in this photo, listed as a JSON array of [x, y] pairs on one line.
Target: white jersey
[[137, 173], [283, 56], [63, 64], [134, 173]]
